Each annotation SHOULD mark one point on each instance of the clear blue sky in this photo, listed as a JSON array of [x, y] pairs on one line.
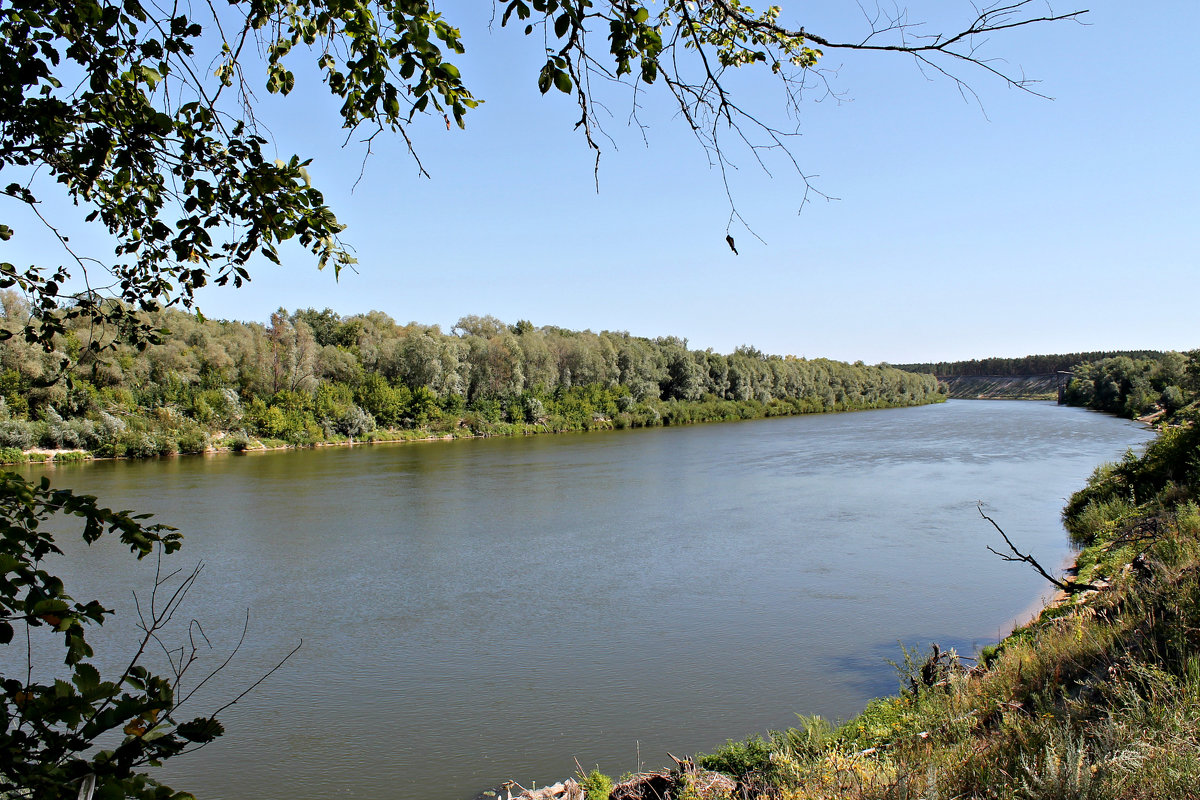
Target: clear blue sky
[[1027, 226]]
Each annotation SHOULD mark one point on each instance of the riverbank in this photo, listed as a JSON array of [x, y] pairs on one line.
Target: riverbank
[[645, 415], [314, 377], [1002, 387], [1097, 697]]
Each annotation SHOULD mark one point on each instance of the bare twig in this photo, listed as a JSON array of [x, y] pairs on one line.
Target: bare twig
[[1070, 587]]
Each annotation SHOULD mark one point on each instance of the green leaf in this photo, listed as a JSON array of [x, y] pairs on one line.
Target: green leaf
[[86, 677], [562, 25], [49, 606], [562, 81], [157, 732], [150, 76], [641, 15], [201, 729]]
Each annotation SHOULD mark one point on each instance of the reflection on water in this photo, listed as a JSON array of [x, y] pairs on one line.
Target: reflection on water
[[478, 610]]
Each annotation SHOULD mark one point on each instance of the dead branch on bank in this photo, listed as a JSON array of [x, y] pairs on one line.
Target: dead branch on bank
[[1070, 587]]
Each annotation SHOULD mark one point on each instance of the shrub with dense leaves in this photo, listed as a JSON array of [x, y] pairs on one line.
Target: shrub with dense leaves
[[62, 733]]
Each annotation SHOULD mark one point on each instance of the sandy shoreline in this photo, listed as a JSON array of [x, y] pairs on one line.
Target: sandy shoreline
[[51, 455]]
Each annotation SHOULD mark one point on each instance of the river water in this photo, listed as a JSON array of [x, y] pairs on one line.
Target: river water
[[473, 611]]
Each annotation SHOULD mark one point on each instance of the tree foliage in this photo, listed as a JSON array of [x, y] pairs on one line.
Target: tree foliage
[[1037, 365], [52, 727], [1133, 387], [290, 381]]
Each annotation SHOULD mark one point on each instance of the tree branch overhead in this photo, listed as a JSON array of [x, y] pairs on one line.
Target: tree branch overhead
[[160, 143]]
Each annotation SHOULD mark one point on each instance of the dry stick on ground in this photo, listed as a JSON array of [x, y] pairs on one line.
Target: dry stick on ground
[[1071, 587]]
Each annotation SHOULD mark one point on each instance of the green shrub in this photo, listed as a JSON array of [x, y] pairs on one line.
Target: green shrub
[[118, 398], [354, 422], [12, 455], [883, 721], [70, 456], [1173, 398], [237, 442], [596, 785], [192, 440], [1062, 771], [59, 433], [165, 444], [1098, 520], [134, 443], [738, 758], [812, 737], [18, 434]]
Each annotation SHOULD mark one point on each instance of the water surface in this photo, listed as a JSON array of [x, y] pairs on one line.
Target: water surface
[[479, 610]]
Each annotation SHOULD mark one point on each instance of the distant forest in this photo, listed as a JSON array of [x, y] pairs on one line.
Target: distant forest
[[1136, 387], [316, 376], [1130, 383], [1026, 365]]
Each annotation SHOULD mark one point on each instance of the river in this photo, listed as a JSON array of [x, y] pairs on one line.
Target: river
[[479, 610]]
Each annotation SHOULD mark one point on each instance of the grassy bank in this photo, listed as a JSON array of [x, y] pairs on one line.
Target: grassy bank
[[1096, 699], [164, 434]]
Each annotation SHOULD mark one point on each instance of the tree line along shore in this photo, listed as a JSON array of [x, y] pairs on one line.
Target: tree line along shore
[[312, 377], [1129, 383]]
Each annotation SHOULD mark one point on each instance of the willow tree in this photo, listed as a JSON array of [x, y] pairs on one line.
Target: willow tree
[[143, 115]]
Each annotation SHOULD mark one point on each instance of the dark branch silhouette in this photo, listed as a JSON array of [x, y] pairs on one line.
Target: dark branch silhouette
[[1070, 587]]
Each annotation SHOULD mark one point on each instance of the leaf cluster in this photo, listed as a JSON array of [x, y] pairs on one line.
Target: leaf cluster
[[116, 106], [1134, 386], [51, 728]]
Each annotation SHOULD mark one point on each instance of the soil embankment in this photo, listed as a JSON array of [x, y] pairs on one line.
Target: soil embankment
[[1001, 387]]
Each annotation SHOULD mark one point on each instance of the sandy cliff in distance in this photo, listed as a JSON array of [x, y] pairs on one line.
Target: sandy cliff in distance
[[1002, 387]]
